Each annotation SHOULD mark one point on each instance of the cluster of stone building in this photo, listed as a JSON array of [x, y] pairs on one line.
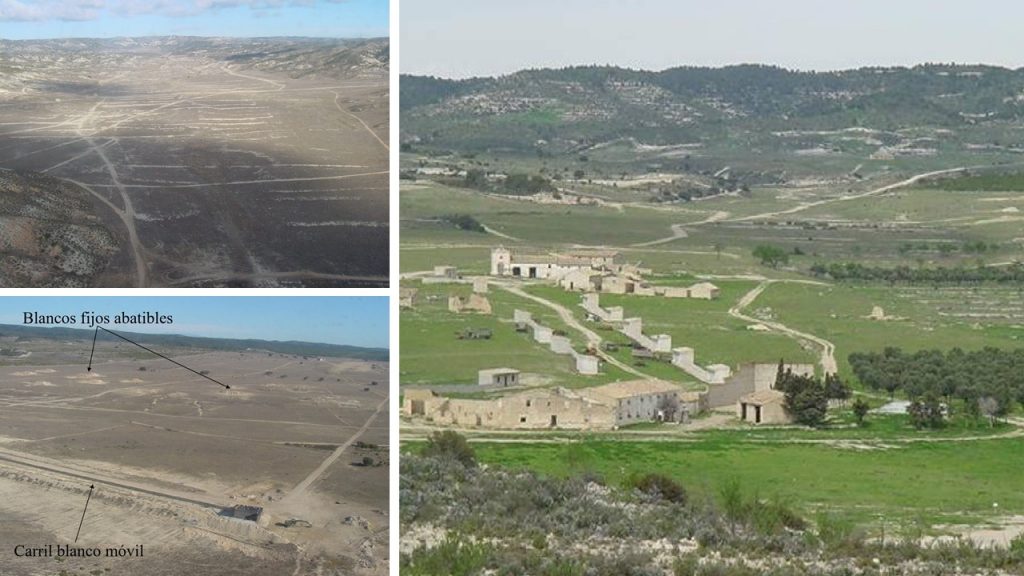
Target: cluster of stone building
[[750, 391], [590, 271], [601, 407]]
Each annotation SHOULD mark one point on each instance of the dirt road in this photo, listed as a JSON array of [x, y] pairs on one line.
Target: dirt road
[[874, 192], [679, 230], [38, 462], [828, 359], [360, 120], [316, 474]]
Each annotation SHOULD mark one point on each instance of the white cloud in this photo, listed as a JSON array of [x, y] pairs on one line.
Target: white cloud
[[81, 10], [68, 10]]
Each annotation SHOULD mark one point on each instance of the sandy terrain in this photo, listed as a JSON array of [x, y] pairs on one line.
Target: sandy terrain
[[168, 450]]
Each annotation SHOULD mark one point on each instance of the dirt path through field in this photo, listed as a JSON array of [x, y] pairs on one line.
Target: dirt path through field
[[293, 275], [83, 473], [316, 474], [127, 213], [888, 187], [828, 349], [360, 120], [494, 232], [679, 230]]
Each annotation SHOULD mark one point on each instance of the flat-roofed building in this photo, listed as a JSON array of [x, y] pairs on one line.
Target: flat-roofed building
[[498, 377]]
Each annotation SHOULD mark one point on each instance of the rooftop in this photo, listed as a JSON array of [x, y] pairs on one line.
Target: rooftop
[[625, 389], [763, 397], [418, 394], [497, 371], [596, 253]]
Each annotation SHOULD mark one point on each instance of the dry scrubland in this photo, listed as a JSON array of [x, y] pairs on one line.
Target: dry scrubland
[[176, 165], [166, 449]]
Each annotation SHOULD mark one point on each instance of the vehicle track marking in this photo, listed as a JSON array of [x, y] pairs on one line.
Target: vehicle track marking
[[316, 474], [360, 120]]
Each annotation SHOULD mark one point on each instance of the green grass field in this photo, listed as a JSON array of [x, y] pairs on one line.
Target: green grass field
[[927, 318], [927, 482], [703, 325], [432, 354]]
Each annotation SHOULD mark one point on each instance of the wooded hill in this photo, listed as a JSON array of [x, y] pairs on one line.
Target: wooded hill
[[176, 340], [599, 103]]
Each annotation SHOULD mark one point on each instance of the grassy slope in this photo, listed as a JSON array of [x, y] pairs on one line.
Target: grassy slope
[[924, 481]]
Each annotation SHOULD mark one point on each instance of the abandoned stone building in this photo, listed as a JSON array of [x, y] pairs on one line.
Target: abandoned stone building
[[602, 407], [448, 272], [498, 377], [533, 409], [582, 279], [763, 407], [700, 291], [638, 400], [477, 303], [407, 297], [750, 378], [590, 271]]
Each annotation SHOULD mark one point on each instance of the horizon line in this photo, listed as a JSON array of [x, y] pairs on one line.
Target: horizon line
[[387, 37], [499, 75], [131, 331]]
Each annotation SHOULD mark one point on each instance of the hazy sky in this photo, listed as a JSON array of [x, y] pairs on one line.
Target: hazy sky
[[460, 38], [20, 19], [357, 321]]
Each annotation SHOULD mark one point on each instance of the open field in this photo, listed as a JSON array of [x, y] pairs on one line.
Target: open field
[[922, 317], [167, 450], [904, 485], [202, 171], [433, 355], [837, 213]]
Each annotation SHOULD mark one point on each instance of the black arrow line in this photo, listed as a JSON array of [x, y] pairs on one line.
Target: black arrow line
[[94, 334], [83, 512], [165, 357]]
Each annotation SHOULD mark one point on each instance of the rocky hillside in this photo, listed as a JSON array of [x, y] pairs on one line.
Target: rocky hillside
[[50, 233], [586, 105], [295, 57], [305, 57]]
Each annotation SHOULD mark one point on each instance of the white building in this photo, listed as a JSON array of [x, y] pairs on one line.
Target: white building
[[498, 377], [548, 266]]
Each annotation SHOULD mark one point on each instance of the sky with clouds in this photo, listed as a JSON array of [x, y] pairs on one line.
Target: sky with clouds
[[460, 38], [26, 19], [351, 320]]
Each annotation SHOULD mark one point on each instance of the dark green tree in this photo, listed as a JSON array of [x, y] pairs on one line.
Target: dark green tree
[[926, 412], [806, 399], [860, 410], [771, 255], [836, 389]]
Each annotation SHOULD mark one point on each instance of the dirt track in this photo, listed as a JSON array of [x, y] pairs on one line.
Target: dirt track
[[828, 358], [214, 174]]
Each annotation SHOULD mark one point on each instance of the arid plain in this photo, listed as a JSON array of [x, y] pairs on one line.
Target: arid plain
[[194, 162], [171, 453]]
